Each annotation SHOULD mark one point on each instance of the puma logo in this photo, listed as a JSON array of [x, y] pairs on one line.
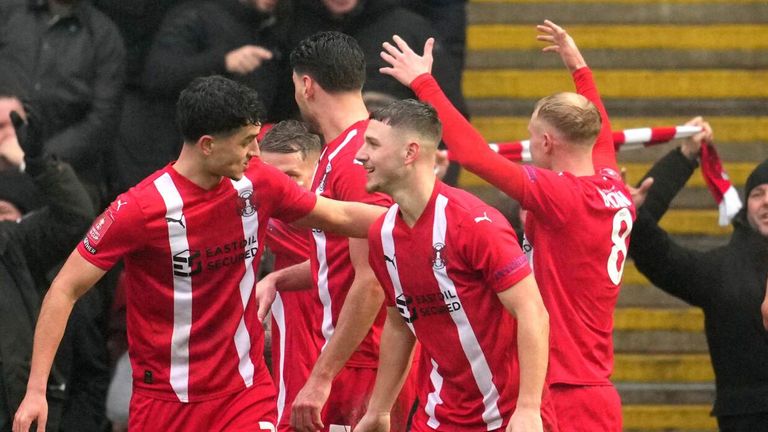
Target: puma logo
[[179, 221], [483, 218], [390, 260], [120, 203]]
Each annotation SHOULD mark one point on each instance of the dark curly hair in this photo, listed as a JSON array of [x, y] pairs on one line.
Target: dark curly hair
[[216, 105]]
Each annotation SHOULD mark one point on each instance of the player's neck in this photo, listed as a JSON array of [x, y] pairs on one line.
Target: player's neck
[[576, 163], [339, 112], [413, 196], [189, 167]]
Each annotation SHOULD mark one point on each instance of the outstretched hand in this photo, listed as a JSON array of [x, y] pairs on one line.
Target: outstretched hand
[[764, 308], [406, 65], [562, 43]]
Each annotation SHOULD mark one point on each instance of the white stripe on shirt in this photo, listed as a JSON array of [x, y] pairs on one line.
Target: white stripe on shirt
[[278, 312], [469, 344], [388, 244], [433, 399], [323, 290], [242, 337], [182, 286]]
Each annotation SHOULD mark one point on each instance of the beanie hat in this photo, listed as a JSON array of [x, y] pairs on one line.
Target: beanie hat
[[759, 176]]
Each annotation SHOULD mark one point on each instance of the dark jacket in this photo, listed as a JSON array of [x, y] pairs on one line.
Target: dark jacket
[[728, 283], [372, 23], [29, 249], [71, 68], [194, 40]]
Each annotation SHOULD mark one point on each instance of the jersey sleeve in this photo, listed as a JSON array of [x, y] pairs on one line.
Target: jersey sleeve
[[493, 249], [291, 201], [466, 144], [603, 153], [348, 183], [118, 231]]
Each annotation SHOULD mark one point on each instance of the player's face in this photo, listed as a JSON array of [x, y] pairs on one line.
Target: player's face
[[298, 169], [381, 157], [231, 153], [537, 138], [301, 101], [6, 127], [757, 209]]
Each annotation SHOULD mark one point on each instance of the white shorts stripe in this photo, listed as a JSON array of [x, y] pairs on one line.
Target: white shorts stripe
[[433, 399], [182, 285], [242, 337], [278, 312], [388, 244], [469, 344]]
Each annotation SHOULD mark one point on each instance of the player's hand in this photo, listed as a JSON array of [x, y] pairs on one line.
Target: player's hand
[[691, 147], [525, 420], [33, 408], [246, 59], [308, 404], [764, 308], [562, 43], [406, 64], [373, 422], [265, 293]]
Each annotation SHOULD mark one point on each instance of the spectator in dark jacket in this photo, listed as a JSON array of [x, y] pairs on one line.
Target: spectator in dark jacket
[[371, 23], [30, 247], [728, 283], [69, 60]]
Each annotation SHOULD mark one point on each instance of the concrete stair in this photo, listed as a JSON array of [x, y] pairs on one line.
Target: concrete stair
[[656, 63]]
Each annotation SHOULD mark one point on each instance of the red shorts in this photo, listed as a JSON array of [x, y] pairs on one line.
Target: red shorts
[[252, 409], [349, 397], [586, 408]]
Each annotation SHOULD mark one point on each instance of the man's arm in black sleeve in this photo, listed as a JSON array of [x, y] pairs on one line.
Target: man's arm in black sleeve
[[669, 174], [681, 272], [48, 235]]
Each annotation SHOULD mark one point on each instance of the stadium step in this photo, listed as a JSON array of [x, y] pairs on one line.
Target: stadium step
[[656, 63]]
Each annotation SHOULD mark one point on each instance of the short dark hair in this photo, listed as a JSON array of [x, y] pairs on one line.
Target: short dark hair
[[411, 115], [335, 60], [216, 105], [290, 136]]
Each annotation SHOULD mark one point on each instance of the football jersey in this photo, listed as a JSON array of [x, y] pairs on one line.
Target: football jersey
[[340, 177], [443, 275], [189, 255], [577, 234], [295, 343]]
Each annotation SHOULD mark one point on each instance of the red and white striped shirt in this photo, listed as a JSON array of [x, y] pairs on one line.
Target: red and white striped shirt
[[295, 318], [443, 275], [338, 176], [189, 257]]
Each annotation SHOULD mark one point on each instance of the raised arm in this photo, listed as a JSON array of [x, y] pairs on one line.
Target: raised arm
[[603, 153], [465, 143], [349, 219]]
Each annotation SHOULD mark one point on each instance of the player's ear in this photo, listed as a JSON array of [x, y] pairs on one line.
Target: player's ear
[[548, 143], [412, 151], [205, 143]]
